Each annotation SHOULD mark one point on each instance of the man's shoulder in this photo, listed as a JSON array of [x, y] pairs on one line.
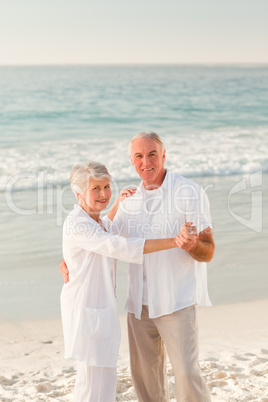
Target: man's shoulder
[[137, 196], [130, 206], [179, 180]]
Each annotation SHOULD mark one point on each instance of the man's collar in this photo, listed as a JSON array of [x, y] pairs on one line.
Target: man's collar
[[163, 186]]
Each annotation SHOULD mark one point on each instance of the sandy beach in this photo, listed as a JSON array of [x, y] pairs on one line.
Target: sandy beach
[[233, 357]]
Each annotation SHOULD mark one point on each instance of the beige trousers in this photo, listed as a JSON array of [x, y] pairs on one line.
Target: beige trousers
[[148, 339], [95, 384]]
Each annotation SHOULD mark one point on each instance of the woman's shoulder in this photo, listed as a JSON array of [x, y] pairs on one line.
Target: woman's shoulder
[[79, 217]]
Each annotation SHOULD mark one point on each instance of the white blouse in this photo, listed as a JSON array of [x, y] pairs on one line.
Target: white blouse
[[88, 306]]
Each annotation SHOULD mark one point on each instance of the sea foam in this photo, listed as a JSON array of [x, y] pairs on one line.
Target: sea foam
[[221, 152]]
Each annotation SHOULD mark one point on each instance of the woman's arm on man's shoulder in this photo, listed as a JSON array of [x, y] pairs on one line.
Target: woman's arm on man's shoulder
[[122, 195]]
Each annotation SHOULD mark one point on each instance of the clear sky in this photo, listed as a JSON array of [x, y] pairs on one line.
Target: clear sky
[[133, 31]]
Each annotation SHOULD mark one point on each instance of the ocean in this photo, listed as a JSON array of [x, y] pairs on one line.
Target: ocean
[[214, 123]]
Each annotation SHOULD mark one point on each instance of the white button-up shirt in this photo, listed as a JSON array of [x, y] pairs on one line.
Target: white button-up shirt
[[89, 313], [174, 280]]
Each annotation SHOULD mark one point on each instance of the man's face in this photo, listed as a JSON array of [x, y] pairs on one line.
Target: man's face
[[148, 159]]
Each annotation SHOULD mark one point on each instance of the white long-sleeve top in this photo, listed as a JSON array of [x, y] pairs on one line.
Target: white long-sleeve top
[[88, 306], [168, 280]]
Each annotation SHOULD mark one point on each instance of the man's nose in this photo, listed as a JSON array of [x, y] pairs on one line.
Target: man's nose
[[146, 160]]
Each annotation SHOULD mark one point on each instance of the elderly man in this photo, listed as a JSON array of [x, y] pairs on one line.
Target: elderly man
[[164, 292]]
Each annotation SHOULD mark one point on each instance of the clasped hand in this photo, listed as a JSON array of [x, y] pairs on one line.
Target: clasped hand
[[187, 237]]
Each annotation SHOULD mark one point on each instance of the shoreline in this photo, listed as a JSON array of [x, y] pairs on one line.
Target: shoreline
[[233, 357]]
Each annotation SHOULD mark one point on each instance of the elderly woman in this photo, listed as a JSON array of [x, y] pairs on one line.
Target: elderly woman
[[88, 305]]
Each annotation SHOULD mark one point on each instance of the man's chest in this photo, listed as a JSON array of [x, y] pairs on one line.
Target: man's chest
[[154, 217]]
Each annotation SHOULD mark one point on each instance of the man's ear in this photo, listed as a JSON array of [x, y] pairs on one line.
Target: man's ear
[[164, 155], [131, 160]]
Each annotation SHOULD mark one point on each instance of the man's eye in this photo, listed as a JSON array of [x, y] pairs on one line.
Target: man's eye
[[108, 186]]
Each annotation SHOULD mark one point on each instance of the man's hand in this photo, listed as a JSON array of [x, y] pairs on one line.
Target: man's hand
[[64, 271], [187, 237]]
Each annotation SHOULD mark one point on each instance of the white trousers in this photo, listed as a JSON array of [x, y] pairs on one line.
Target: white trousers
[[95, 384]]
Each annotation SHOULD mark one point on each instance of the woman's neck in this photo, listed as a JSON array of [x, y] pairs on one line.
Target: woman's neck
[[93, 214]]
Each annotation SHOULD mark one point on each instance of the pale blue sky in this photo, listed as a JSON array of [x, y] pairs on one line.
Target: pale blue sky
[[133, 31]]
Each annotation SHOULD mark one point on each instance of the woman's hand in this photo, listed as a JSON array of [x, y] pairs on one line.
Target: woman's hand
[[126, 193], [122, 195]]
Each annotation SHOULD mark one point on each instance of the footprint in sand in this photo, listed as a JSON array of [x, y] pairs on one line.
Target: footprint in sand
[[217, 383], [258, 360], [69, 370], [220, 375], [211, 365], [44, 387], [259, 373], [241, 358], [124, 385], [58, 393], [8, 381], [233, 376]]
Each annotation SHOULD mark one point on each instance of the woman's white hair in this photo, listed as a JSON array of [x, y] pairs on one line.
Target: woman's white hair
[[81, 174], [147, 135]]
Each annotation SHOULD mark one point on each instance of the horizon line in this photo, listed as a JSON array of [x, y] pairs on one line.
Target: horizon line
[[137, 64]]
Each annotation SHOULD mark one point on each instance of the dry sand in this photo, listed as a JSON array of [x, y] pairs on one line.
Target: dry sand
[[233, 357]]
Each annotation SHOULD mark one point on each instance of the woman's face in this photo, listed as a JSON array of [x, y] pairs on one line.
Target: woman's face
[[97, 195]]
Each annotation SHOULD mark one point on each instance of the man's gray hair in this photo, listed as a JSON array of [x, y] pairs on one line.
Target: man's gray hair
[[149, 135], [81, 174]]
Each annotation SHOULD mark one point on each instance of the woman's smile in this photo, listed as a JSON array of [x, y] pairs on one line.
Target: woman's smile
[[104, 201]]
